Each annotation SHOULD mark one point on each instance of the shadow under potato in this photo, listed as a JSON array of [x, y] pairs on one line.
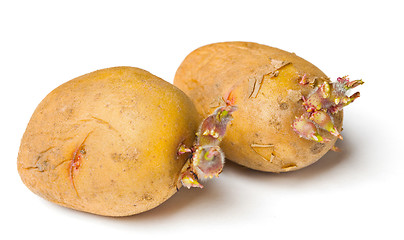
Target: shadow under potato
[[213, 194], [184, 200]]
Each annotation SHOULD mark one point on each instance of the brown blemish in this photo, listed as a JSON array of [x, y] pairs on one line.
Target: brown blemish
[[275, 123], [147, 197], [129, 158], [41, 164], [317, 148], [283, 106], [122, 157]]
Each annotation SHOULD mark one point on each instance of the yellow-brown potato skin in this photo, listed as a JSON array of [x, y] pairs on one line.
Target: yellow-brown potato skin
[[260, 136], [124, 125]]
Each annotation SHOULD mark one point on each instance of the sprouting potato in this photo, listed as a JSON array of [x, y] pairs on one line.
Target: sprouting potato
[[117, 142], [106, 142], [289, 112]]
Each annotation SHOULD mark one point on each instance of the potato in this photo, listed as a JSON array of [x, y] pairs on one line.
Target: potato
[[106, 142], [271, 88]]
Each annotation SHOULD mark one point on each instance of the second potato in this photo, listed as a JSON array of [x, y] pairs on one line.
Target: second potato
[[268, 86]]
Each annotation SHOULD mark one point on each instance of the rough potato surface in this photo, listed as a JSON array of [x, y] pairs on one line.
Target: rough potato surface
[[265, 84], [106, 142]]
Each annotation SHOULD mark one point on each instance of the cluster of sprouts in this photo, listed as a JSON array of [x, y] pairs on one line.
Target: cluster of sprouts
[[206, 158], [326, 99]]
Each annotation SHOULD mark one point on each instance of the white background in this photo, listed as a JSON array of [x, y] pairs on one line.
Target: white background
[[354, 194]]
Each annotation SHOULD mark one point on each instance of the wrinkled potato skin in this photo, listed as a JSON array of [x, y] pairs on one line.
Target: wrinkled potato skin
[[264, 120], [128, 124]]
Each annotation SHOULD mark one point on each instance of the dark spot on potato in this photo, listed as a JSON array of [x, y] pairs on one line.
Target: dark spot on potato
[[69, 112], [275, 123], [317, 148], [283, 106], [97, 96], [121, 157], [42, 162], [115, 156], [147, 197], [41, 165]]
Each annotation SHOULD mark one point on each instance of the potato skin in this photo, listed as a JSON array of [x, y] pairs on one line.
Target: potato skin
[[260, 136], [106, 142]]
